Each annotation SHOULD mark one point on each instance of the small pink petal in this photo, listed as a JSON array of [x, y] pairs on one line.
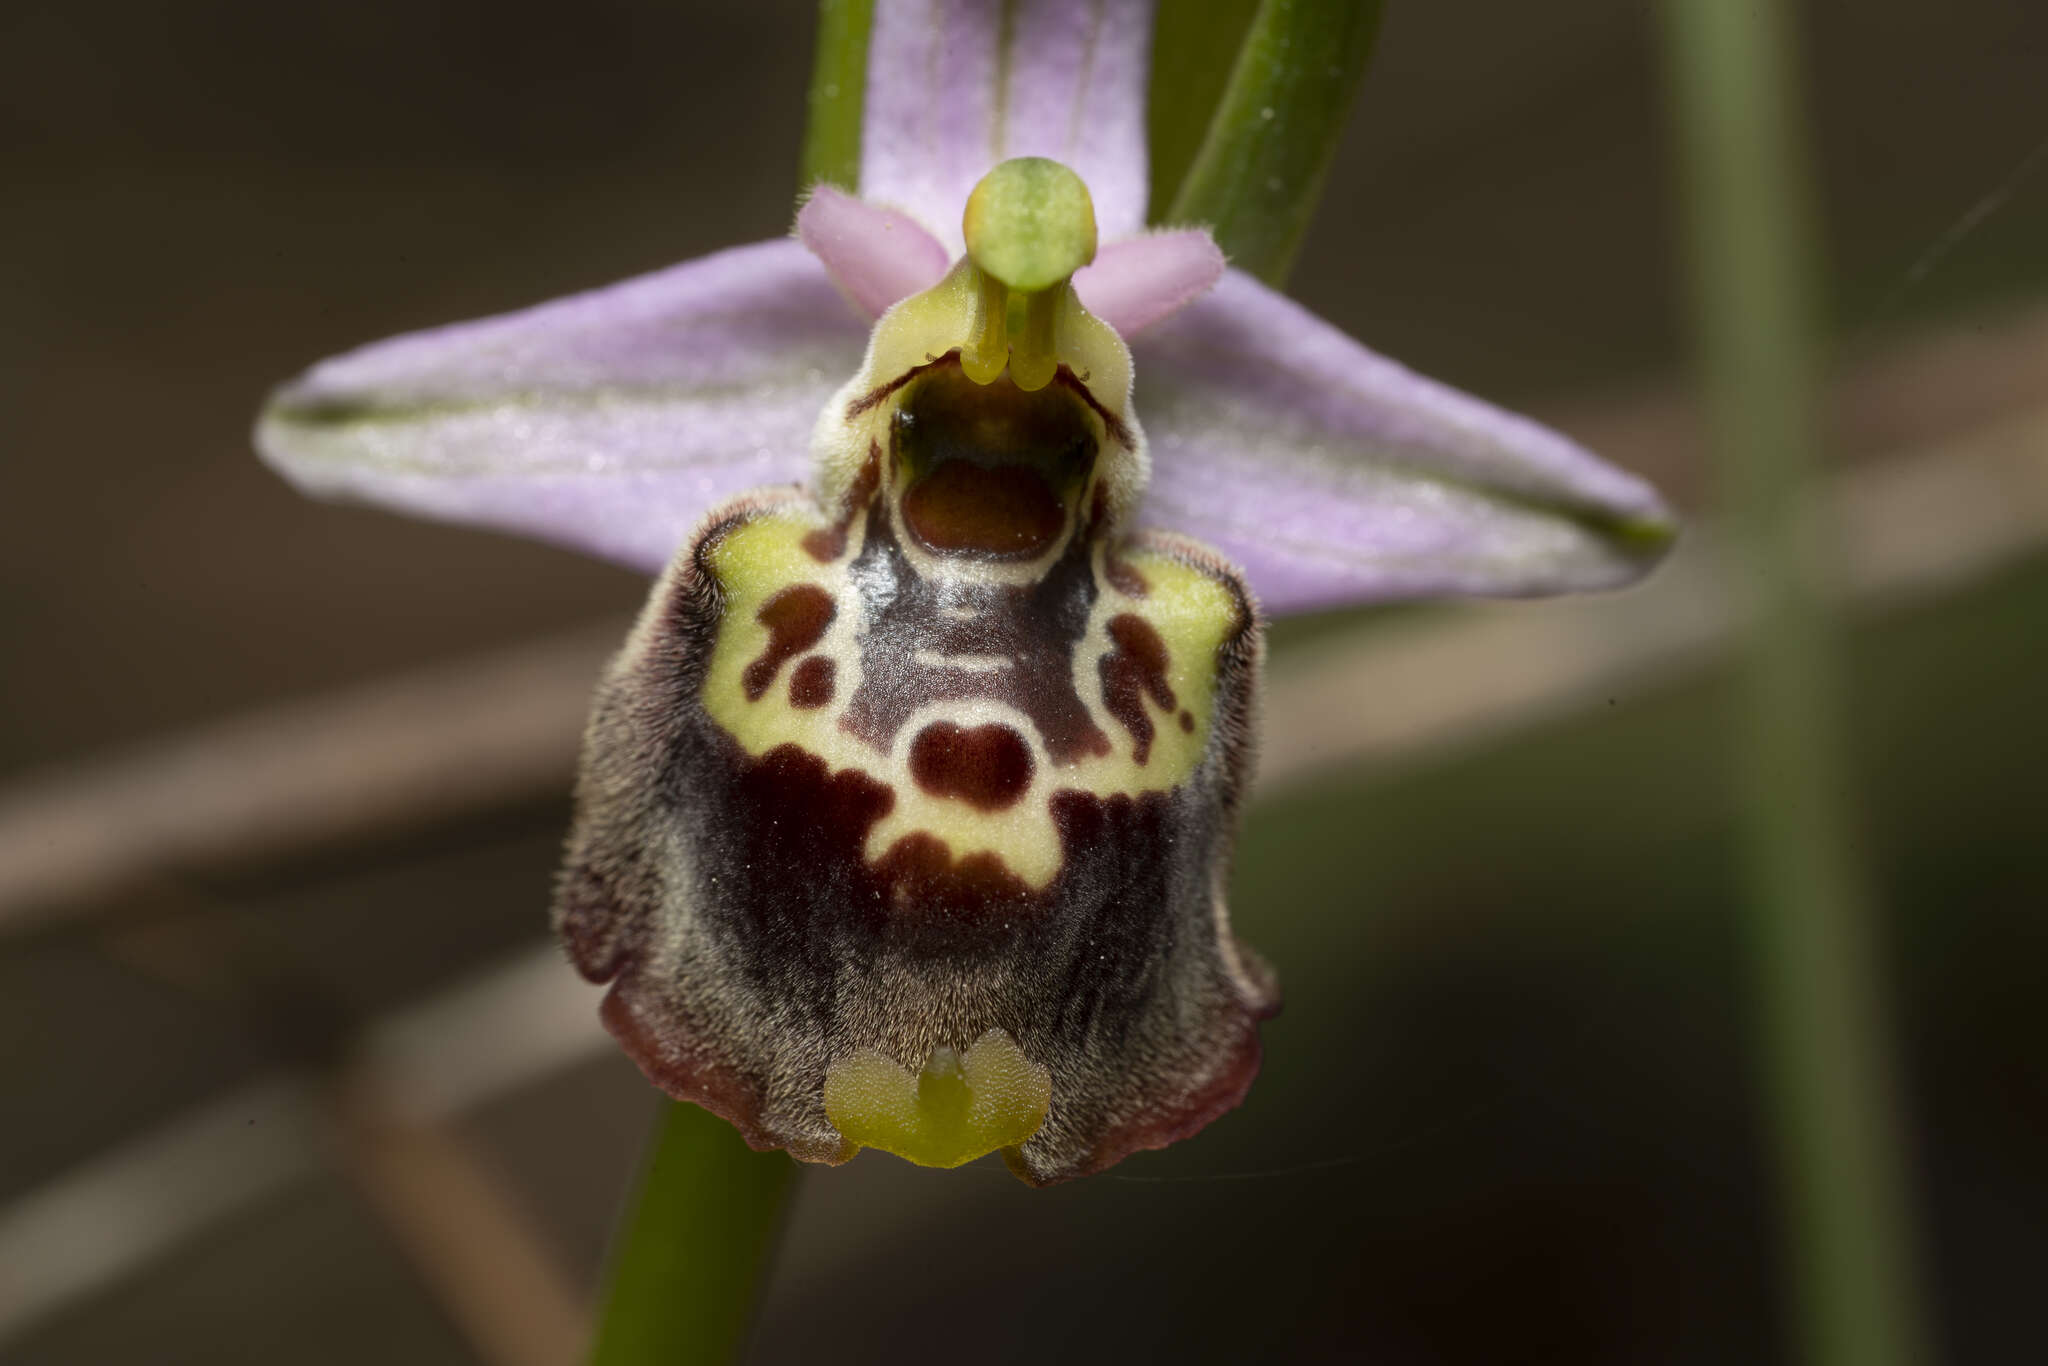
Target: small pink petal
[[1143, 280], [875, 255]]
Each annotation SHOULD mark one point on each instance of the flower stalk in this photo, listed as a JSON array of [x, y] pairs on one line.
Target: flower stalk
[[1815, 985], [697, 1237]]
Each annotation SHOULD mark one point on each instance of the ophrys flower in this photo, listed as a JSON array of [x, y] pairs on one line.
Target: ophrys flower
[[906, 810]]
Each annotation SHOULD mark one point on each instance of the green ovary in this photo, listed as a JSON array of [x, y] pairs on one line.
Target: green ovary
[[958, 1108]]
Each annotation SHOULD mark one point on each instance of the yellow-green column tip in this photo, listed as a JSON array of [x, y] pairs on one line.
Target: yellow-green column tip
[[1030, 223]]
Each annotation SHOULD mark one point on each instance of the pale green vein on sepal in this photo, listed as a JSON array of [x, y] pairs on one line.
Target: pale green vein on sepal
[[838, 98], [687, 1263], [1260, 170], [336, 413]]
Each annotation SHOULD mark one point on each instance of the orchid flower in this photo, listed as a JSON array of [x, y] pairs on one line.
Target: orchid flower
[[906, 810]]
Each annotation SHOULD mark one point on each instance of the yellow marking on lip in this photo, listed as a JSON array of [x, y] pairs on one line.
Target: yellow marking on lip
[[759, 559], [1192, 612], [1022, 834], [754, 562]]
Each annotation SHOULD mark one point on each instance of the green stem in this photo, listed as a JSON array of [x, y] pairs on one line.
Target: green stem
[[1821, 1029], [839, 83], [698, 1237], [1261, 166]]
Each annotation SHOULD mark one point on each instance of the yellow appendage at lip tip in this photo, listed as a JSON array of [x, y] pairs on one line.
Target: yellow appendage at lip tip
[[958, 1108]]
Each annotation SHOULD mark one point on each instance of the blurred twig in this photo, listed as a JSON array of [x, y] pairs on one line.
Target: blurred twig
[[387, 1113], [466, 1239], [121, 1210], [409, 1077], [381, 758]]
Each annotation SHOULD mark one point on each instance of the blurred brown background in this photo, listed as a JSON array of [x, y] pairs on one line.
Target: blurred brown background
[[1509, 1114]]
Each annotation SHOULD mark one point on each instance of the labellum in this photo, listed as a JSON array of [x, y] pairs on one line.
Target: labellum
[[906, 811]]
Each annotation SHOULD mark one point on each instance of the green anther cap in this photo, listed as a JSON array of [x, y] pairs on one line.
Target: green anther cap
[[1030, 224]]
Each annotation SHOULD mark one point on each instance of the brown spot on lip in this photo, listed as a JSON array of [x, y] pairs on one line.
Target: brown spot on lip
[[1008, 511], [827, 544], [925, 881], [1187, 721], [1134, 669], [988, 767], [796, 619], [810, 683], [1124, 577]]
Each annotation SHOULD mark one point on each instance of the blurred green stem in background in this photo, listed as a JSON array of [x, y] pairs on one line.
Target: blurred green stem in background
[[1816, 984], [839, 83], [1259, 170], [695, 1243]]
